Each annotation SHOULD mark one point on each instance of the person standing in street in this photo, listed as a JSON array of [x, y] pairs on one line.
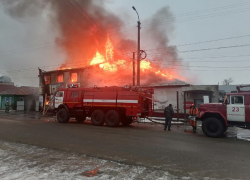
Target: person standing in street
[[168, 112], [193, 113], [7, 106]]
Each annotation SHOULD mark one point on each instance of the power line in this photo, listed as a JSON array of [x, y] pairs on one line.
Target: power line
[[222, 47], [202, 42], [186, 19], [194, 12], [191, 13], [77, 62], [104, 33], [205, 15], [206, 10], [205, 49], [197, 18]]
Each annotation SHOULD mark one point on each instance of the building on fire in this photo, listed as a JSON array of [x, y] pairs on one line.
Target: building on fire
[[51, 81], [176, 92]]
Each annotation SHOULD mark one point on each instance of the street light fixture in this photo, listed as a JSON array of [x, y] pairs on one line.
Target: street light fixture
[[138, 48]]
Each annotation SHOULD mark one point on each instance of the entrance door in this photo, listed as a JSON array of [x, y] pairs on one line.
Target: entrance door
[[236, 109], [59, 98]]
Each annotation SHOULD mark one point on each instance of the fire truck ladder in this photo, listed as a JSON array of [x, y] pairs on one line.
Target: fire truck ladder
[[48, 105]]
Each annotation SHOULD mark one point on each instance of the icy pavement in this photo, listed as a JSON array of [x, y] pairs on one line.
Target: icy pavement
[[21, 161]]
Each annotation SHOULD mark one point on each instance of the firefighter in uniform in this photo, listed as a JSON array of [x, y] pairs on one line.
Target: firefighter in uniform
[[7, 106], [193, 112]]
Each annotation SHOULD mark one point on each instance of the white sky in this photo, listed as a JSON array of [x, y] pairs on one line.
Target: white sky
[[195, 21]]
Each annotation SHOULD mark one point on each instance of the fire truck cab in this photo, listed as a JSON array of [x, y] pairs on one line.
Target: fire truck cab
[[109, 105], [234, 111]]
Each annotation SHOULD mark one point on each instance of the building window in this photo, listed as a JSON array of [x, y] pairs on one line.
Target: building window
[[60, 78], [73, 77], [47, 79]]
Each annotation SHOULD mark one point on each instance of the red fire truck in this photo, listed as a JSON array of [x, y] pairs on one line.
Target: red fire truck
[[234, 111], [109, 105]]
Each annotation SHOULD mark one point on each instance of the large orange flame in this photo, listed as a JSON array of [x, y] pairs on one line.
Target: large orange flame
[[107, 62], [146, 65]]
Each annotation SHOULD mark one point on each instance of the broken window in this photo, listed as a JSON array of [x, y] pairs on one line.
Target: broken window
[[73, 77], [60, 78], [47, 79]]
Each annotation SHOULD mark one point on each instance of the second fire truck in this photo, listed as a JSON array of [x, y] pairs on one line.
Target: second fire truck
[[109, 105]]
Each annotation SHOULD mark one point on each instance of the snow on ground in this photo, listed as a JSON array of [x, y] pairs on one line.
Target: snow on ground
[[243, 134], [27, 162]]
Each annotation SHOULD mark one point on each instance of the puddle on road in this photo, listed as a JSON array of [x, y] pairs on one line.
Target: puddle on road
[[239, 133]]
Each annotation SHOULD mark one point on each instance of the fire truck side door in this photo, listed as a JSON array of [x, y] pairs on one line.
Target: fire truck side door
[[72, 98], [59, 98], [236, 109]]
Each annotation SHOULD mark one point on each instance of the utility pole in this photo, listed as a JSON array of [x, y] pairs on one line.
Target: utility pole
[[138, 55], [138, 49], [133, 68]]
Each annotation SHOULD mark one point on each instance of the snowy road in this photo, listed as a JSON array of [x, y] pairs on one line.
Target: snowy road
[[33, 148], [26, 162]]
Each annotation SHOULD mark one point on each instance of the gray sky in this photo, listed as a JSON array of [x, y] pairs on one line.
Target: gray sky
[[28, 43]]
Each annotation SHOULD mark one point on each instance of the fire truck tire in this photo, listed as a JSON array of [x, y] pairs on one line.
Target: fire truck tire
[[80, 119], [213, 127], [62, 116], [98, 117], [126, 121], [112, 118]]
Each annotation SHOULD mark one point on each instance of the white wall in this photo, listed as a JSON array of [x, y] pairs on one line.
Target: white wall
[[166, 96]]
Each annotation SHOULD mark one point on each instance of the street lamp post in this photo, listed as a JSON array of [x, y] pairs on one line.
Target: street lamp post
[[138, 49]]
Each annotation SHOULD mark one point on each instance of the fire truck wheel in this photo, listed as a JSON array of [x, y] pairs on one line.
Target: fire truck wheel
[[126, 121], [212, 127], [62, 116], [97, 117], [112, 118], [80, 119]]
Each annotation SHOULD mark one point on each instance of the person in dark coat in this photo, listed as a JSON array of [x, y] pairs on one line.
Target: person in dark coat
[[7, 106], [168, 112]]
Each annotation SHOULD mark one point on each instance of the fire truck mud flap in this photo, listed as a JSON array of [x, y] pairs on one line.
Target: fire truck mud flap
[[98, 117], [112, 118], [213, 127], [62, 115]]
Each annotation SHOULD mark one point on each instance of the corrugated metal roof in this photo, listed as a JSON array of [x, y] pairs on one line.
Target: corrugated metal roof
[[23, 90], [172, 82], [4, 87]]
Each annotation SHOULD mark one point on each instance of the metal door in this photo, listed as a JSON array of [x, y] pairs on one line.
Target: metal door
[[236, 108], [72, 98]]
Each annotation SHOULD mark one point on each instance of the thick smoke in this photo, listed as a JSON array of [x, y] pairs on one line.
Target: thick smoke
[[161, 55], [83, 27]]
